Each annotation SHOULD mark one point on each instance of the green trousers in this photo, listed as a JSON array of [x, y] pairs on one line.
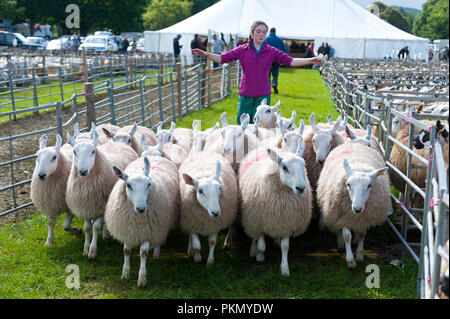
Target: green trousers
[[248, 105]]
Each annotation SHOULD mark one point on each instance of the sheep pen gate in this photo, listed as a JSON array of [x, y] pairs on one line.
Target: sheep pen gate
[[144, 100], [355, 89]]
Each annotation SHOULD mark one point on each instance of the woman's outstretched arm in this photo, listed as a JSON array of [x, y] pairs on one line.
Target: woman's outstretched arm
[[301, 62], [213, 57]]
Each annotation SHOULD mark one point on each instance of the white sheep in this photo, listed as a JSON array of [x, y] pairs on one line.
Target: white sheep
[[354, 194], [266, 114], [103, 138], [288, 140], [131, 135], [318, 143], [209, 200], [260, 132], [172, 152], [91, 181], [275, 198], [363, 137], [284, 123], [49, 182], [142, 208], [180, 136], [199, 137]]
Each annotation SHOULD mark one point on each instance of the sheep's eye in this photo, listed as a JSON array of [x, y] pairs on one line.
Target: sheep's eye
[[54, 158], [349, 187], [268, 111], [285, 140], [285, 169], [129, 141], [148, 186], [129, 186], [200, 191], [369, 186], [93, 152], [75, 153]]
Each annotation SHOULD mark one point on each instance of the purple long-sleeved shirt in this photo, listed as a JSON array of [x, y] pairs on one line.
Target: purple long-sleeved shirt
[[255, 68]]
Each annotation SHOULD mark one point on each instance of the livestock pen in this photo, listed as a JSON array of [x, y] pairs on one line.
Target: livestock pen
[[318, 271]]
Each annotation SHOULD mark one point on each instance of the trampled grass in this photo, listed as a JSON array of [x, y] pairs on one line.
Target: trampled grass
[[318, 270]]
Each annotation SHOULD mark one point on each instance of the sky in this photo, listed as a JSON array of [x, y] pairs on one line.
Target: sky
[[417, 4]]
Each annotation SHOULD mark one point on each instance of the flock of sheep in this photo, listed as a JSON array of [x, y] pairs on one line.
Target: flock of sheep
[[136, 186]]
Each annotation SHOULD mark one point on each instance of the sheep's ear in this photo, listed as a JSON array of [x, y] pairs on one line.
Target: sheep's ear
[[274, 156], [95, 139], [76, 130], [195, 126], [278, 114], [335, 127], [378, 172], [300, 147], [58, 142], [190, 180], [276, 106], [223, 119], [217, 171], [119, 173], [43, 141], [281, 126], [312, 121], [91, 132], [159, 127], [256, 120], [345, 119], [243, 117], [369, 132], [217, 126], [293, 116], [347, 168], [264, 102], [71, 140], [245, 121], [133, 130], [349, 133], [329, 119], [108, 133], [302, 127], [172, 127], [160, 145], [147, 166], [143, 143]]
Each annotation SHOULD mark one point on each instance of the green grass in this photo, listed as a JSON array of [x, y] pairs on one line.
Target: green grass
[[30, 270]]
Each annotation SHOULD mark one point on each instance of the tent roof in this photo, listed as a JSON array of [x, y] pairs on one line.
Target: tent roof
[[293, 19]]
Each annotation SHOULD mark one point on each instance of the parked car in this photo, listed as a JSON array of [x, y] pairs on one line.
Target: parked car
[[106, 33], [59, 44], [139, 46], [99, 43], [38, 42]]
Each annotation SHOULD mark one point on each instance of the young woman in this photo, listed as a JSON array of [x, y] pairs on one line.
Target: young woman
[[256, 57]]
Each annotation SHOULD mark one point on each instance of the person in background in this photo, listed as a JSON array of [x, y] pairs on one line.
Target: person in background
[[196, 43], [176, 48], [124, 44], [133, 44], [404, 52], [256, 58], [326, 50], [217, 47], [278, 43], [430, 55], [331, 52]]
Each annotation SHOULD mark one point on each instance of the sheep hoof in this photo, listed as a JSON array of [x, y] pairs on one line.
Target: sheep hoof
[[197, 258], [86, 250], [260, 257], [125, 273], [226, 245], [74, 231], [142, 281], [351, 264], [360, 257], [210, 262], [285, 271], [92, 254], [48, 243]]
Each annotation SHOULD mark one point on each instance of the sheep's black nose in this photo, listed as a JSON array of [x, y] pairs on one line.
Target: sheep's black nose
[[83, 173], [140, 210], [358, 210], [301, 190], [42, 176], [215, 214]]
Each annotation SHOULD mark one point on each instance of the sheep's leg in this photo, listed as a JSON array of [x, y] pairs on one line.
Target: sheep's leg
[[105, 233], [96, 229], [67, 225], [212, 240], [253, 248], [51, 227], [340, 241], [142, 281], [229, 238], [360, 247], [126, 261], [284, 244], [261, 247], [347, 235], [190, 251], [277, 241], [196, 246], [156, 252], [87, 236]]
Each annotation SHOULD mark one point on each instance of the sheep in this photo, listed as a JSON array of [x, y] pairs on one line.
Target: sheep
[[209, 200], [233, 142], [142, 208], [180, 136], [288, 124], [173, 152], [266, 114], [288, 140], [131, 135], [90, 183], [49, 181], [422, 139], [318, 143], [353, 194], [275, 197], [260, 132], [363, 137], [103, 138], [199, 137]]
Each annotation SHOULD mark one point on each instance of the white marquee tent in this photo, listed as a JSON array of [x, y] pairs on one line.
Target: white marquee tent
[[350, 29]]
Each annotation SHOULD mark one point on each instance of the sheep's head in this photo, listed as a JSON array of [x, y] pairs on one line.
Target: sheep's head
[[285, 124], [291, 138], [165, 136], [359, 185], [208, 190], [155, 150], [47, 157], [291, 168], [77, 135], [233, 136], [266, 114], [422, 139], [199, 137], [84, 154], [322, 139], [361, 140], [137, 186], [125, 137]]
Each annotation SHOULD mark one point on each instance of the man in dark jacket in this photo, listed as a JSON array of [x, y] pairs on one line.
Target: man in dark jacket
[[403, 52], [275, 41], [124, 45], [177, 48]]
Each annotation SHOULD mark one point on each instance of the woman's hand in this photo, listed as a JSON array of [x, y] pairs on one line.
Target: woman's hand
[[316, 60], [200, 52]]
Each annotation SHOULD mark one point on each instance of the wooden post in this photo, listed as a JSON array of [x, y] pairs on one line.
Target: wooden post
[[90, 103], [179, 103]]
